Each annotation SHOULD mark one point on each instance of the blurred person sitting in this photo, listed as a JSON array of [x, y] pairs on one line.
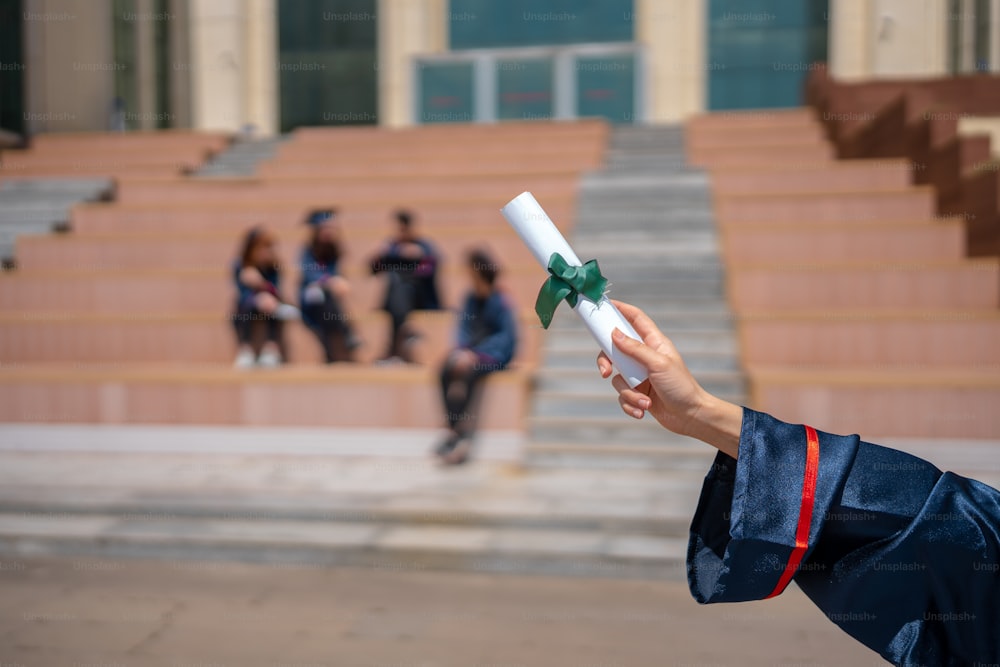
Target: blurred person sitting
[[410, 264], [323, 291], [486, 342], [257, 277]]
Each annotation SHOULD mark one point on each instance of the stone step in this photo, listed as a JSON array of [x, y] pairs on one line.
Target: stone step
[[625, 204], [618, 161], [664, 248], [711, 312], [605, 404], [654, 219], [83, 187], [327, 543], [670, 322], [715, 341], [241, 158], [690, 456], [558, 385], [697, 362], [604, 431]]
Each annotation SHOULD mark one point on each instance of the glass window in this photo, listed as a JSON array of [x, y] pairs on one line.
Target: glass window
[[12, 72], [606, 87], [524, 89], [475, 24], [162, 29], [761, 50], [446, 93], [327, 67], [982, 43], [124, 115]]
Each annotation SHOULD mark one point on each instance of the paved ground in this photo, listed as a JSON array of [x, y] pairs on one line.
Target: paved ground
[[81, 613], [350, 533]]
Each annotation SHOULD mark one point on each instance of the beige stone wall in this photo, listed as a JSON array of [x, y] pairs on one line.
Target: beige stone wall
[[406, 28], [673, 34], [70, 65], [888, 38], [231, 68]]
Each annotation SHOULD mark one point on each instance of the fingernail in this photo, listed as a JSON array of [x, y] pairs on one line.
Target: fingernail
[[645, 403], [617, 334]]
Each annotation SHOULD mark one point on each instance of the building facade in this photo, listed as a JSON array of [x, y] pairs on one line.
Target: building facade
[[268, 66]]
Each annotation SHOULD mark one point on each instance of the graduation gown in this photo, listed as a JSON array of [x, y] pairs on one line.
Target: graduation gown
[[904, 558]]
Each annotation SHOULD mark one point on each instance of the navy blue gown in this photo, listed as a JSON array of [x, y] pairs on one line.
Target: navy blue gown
[[904, 558]]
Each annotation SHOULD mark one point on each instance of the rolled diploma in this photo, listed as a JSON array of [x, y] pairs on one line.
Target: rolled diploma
[[542, 237]]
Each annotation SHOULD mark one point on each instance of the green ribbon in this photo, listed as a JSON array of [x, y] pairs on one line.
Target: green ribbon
[[569, 283]]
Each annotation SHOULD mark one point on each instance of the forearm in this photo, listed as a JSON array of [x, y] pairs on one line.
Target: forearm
[[718, 423]]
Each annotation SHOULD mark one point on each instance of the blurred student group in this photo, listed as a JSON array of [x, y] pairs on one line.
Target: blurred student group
[[486, 330]]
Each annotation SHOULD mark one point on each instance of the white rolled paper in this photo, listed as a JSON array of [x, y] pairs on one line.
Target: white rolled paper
[[542, 237]]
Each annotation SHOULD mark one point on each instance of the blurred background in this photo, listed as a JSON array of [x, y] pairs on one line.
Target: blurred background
[[802, 193]]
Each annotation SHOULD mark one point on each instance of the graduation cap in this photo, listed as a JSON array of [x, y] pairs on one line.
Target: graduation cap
[[319, 216]]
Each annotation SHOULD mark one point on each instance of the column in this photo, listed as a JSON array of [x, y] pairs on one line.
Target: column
[[69, 75], [674, 37], [406, 28], [232, 65], [850, 39]]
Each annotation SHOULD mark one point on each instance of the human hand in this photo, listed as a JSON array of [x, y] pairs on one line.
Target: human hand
[[338, 286], [266, 302], [411, 250], [463, 360], [670, 393]]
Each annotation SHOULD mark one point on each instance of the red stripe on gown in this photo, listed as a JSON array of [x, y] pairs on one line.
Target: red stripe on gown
[[805, 512]]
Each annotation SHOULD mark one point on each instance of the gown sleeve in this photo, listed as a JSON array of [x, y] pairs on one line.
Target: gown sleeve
[[904, 558]]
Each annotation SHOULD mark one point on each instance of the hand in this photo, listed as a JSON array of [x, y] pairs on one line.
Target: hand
[[670, 394], [252, 277], [338, 286], [463, 360], [411, 250], [266, 302]]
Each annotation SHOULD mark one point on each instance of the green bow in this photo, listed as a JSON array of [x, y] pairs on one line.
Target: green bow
[[568, 282]]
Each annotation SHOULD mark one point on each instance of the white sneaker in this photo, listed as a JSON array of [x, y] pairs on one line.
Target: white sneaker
[[244, 359], [269, 359], [287, 311]]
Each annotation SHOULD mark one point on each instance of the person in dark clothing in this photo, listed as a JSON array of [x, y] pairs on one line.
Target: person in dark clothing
[[410, 264], [486, 342], [257, 278], [903, 557], [323, 291]]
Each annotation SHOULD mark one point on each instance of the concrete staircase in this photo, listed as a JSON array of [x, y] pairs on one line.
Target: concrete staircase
[[41, 206], [241, 158], [648, 219]]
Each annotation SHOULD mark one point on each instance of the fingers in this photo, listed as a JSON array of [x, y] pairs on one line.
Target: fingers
[[633, 401], [645, 355], [604, 365], [639, 320]]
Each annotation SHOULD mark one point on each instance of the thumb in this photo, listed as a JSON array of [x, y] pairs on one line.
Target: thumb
[[638, 350]]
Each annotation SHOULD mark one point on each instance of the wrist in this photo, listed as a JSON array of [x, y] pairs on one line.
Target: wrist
[[717, 423]]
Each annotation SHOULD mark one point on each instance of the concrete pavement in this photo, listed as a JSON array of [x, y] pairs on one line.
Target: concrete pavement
[[83, 613]]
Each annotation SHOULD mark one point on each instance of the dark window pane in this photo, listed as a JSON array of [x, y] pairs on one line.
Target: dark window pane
[[327, 62], [606, 88], [446, 93], [761, 50], [982, 43], [125, 113], [524, 89], [12, 67]]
